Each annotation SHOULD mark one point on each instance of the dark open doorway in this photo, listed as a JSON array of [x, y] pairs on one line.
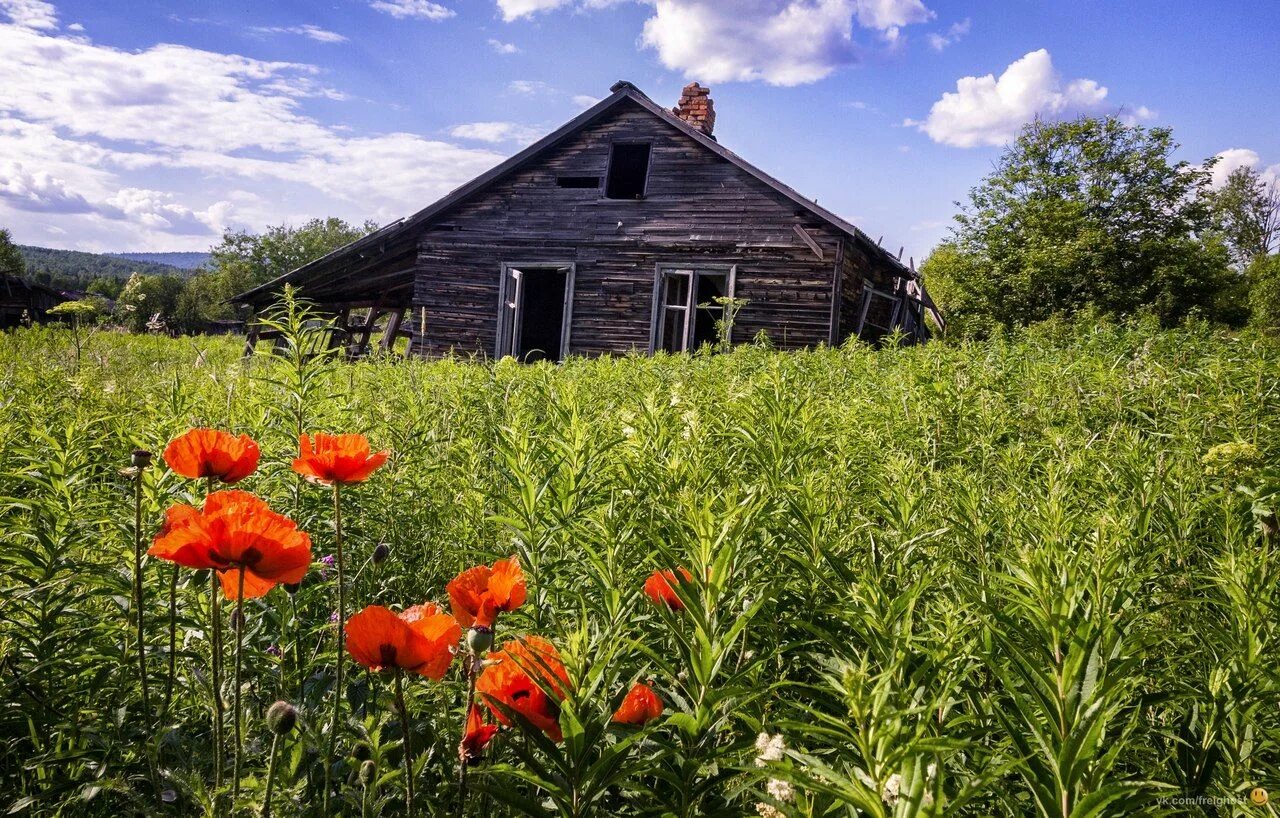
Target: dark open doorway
[[534, 322]]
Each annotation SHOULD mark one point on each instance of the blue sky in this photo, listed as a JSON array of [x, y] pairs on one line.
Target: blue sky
[[149, 125]]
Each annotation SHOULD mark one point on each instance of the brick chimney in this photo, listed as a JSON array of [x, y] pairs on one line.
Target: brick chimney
[[696, 109]]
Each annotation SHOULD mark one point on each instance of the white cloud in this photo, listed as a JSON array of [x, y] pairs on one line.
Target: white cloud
[[419, 9], [954, 33], [782, 42], [515, 9], [504, 48], [496, 132], [990, 111], [529, 88], [584, 100], [316, 33], [33, 14], [1233, 159], [147, 149], [889, 16]]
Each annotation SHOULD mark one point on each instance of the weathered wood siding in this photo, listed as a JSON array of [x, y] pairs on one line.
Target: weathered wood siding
[[698, 210]]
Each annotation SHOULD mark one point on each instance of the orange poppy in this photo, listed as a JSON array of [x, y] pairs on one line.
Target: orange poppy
[[328, 459], [478, 594], [421, 639], [476, 737], [660, 586], [235, 530], [528, 677], [212, 453], [640, 706]]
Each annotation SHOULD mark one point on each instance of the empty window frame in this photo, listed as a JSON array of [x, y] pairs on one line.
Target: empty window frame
[[535, 310], [578, 182], [686, 313], [628, 170]]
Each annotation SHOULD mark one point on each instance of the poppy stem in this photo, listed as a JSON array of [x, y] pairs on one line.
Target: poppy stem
[[473, 662], [271, 775], [137, 591], [215, 610], [342, 625], [236, 719], [406, 743], [173, 639]]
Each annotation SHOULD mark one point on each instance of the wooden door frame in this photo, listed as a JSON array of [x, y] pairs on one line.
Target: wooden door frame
[[507, 330]]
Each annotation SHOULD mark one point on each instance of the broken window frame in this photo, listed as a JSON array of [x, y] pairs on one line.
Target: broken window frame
[[664, 273], [510, 311]]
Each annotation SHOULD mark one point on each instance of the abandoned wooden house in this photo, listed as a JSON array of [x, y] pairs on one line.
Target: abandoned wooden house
[[628, 228], [25, 302]]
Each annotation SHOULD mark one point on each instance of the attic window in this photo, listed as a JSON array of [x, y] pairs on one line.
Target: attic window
[[578, 182], [628, 167]]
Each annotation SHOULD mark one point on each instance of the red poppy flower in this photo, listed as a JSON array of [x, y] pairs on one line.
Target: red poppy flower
[[640, 706], [212, 453], [660, 586], [421, 639], [478, 594], [528, 677], [329, 459], [235, 530], [477, 736]]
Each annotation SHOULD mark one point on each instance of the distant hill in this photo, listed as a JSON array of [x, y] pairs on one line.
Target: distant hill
[[74, 270], [183, 261]]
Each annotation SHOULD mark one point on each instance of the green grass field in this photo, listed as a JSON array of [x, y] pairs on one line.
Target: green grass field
[[1020, 577]]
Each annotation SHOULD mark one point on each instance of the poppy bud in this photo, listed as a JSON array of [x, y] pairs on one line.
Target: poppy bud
[[235, 619], [381, 553], [291, 588], [141, 458], [479, 639], [368, 771], [281, 718]]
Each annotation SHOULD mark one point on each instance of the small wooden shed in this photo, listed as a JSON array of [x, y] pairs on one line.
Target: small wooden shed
[[625, 229]]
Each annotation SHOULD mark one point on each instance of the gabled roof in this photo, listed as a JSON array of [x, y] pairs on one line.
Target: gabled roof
[[621, 91]]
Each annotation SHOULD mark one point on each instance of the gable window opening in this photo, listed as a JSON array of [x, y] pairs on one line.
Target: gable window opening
[[628, 170], [688, 312], [578, 182]]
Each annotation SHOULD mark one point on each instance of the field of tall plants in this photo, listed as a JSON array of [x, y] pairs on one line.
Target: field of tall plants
[[1036, 575]]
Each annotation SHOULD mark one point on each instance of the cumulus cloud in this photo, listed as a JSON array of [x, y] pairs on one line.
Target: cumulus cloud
[[584, 100], [504, 48], [33, 14], [781, 42], [418, 9], [515, 9], [316, 33], [1232, 159], [140, 148], [496, 132], [889, 16], [990, 111], [954, 33]]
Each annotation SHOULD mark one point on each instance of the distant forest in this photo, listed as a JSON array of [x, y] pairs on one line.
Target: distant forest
[[75, 270]]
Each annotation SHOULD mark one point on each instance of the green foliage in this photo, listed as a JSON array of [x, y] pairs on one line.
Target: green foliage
[[11, 260], [1035, 575], [1247, 211], [148, 303], [1084, 213], [1264, 292]]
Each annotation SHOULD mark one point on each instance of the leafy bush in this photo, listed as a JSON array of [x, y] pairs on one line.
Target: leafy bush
[[1036, 575]]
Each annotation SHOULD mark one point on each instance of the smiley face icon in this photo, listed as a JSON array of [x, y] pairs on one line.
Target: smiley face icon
[[1259, 796]]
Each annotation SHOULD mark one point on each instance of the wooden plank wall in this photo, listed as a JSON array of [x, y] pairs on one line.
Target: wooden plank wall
[[698, 209]]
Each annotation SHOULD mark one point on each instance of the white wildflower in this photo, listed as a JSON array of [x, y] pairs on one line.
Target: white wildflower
[[769, 811], [769, 748], [780, 790], [889, 793], [628, 431]]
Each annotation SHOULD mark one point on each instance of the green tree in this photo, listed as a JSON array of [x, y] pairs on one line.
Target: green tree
[[1247, 209], [1091, 212], [1264, 292], [146, 301], [11, 262], [243, 260]]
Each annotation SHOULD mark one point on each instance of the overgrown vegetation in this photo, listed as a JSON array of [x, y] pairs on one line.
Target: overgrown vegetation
[[1031, 576]]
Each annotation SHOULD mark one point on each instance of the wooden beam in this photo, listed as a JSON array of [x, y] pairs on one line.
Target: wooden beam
[[808, 239]]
